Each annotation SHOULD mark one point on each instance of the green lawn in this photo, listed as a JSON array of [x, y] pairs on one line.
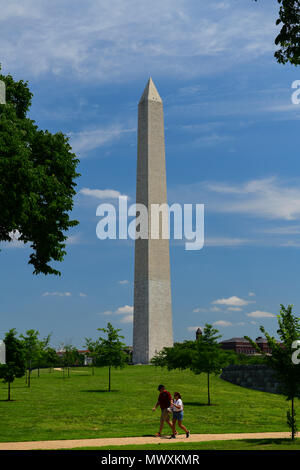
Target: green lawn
[[80, 406]]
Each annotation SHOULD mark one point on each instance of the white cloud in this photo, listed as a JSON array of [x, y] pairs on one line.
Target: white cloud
[[124, 282], [101, 193], [127, 319], [81, 294], [288, 230], [232, 301], [222, 323], [268, 198], [260, 314], [234, 309], [125, 309], [15, 242], [59, 294], [291, 243], [252, 294], [73, 239], [118, 41], [106, 312], [85, 141], [225, 241], [198, 310], [214, 309]]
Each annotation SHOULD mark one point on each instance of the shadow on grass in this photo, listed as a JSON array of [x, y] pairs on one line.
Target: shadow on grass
[[196, 403], [262, 442], [99, 391]]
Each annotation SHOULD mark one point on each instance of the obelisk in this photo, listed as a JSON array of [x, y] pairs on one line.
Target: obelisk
[[152, 325]]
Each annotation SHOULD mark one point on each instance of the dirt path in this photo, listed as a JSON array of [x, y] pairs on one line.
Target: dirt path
[[69, 444]]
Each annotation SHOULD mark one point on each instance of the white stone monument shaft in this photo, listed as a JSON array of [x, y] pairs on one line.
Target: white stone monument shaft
[[152, 326]]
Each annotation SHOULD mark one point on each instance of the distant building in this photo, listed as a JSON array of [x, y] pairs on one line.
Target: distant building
[[87, 360], [243, 346]]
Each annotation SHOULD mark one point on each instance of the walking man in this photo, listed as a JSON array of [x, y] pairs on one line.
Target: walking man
[[165, 401]]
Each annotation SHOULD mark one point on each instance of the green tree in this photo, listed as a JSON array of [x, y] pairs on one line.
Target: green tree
[[31, 346], [201, 356], [280, 360], [69, 357], [37, 180], [92, 351], [289, 36], [50, 358], [41, 352], [15, 360], [111, 350], [209, 357], [179, 356]]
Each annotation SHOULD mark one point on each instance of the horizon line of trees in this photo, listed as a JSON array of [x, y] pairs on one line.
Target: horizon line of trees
[[28, 352]]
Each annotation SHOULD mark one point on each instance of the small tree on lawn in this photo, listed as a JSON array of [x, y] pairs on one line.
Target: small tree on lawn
[[209, 357], [69, 357], [92, 347], [287, 372], [202, 355], [111, 350], [50, 357], [31, 345], [15, 360], [41, 352]]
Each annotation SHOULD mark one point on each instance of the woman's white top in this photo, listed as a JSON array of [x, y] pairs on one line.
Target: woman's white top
[[179, 403]]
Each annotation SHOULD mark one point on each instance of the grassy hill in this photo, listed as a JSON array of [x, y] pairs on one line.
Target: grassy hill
[[80, 406]]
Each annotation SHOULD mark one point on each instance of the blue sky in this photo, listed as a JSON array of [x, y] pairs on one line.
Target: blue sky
[[231, 143]]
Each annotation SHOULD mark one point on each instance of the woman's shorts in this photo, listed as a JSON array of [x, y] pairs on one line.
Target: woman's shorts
[[178, 415]]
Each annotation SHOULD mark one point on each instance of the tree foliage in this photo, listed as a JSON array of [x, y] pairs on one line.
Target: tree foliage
[[201, 356], [288, 38], [280, 360], [31, 347], [110, 350], [15, 360], [37, 180]]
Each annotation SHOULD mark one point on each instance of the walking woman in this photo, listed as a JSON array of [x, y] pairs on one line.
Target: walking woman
[[178, 415]]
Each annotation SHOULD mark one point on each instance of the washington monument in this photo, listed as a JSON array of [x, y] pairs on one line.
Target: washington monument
[[152, 324]]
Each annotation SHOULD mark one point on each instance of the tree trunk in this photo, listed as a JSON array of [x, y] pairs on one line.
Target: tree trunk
[[208, 390], [29, 372], [8, 398]]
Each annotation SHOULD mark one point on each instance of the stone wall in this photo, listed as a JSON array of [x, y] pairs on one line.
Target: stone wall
[[254, 376]]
